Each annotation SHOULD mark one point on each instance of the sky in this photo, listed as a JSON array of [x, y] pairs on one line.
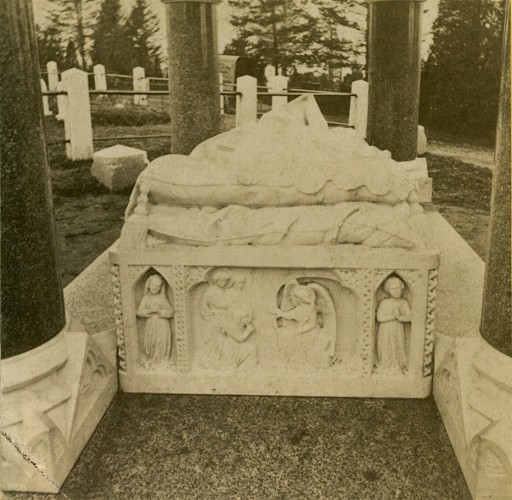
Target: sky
[[225, 30]]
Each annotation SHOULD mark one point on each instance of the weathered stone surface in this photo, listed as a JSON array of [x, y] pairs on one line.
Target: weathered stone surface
[[394, 76], [89, 297], [496, 325], [118, 167], [473, 391], [52, 400], [193, 73], [302, 292], [32, 303]]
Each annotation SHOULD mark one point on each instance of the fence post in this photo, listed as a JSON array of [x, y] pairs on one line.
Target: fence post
[[53, 85], [221, 87], [358, 117], [278, 84], [53, 75], [77, 123], [100, 78], [139, 75], [46, 106], [146, 85], [62, 103], [247, 102]]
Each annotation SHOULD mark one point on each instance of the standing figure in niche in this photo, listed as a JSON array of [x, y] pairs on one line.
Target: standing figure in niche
[[227, 348], [157, 311], [392, 312], [307, 332], [216, 298]]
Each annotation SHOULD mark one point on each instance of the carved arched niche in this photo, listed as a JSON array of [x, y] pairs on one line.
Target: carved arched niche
[[213, 300], [338, 311], [138, 294], [392, 336]]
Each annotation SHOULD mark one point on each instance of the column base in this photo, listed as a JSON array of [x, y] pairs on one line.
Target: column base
[[473, 392], [53, 397]]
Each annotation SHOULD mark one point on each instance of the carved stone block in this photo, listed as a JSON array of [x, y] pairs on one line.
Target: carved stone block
[[321, 321]]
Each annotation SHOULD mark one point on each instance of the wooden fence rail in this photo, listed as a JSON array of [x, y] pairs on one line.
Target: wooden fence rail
[[74, 107]]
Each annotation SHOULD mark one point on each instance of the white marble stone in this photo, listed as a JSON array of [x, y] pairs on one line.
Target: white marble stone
[[77, 116], [358, 115], [52, 400], [140, 83], [209, 288], [53, 75], [247, 102], [100, 77], [473, 391], [118, 167], [278, 84], [249, 268], [472, 381]]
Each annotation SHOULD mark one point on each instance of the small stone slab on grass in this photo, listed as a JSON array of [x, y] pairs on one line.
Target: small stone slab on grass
[[119, 166]]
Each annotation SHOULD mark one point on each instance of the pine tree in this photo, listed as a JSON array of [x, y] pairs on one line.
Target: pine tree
[[141, 28], [110, 42], [72, 19], [49, 45], [289, 32], [71, 57], [324, 35], [460, 80]]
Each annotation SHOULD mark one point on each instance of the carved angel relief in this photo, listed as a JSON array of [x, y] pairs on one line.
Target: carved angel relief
[[306, 325]]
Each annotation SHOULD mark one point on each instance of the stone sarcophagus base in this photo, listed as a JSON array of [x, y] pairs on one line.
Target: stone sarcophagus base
[[326, 320]]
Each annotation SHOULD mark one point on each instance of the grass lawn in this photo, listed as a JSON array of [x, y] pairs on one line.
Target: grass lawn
[[89, 218]]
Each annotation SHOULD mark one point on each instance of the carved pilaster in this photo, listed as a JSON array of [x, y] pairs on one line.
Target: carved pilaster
[[180, 318], [428, 349], [366, 337], [118, 311]]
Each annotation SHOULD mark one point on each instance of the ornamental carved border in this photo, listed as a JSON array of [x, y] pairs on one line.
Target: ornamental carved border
[[118, 312], [428, 348], [366, 339], [180, 317]]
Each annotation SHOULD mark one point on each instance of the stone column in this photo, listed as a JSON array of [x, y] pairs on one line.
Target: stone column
[[193, 72], [496, 325], [32, 302], [394, 37]]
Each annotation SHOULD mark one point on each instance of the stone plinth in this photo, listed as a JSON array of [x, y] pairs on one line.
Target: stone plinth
[[473, 391], [118, 167], [193, 73], [394, 33], [32, 303], [184, 344], [53, 397]]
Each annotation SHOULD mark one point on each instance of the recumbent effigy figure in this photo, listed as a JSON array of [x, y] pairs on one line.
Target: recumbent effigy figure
[[290, 208]]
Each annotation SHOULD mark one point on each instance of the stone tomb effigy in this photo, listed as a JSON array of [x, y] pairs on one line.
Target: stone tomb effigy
[[283, 258]]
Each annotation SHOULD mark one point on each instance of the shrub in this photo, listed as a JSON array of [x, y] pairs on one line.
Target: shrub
[[128, 115]]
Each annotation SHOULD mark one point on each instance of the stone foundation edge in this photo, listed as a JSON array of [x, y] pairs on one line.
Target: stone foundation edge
[[270, 386]]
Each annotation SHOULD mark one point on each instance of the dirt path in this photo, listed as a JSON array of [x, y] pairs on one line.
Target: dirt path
[[468, 153]]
